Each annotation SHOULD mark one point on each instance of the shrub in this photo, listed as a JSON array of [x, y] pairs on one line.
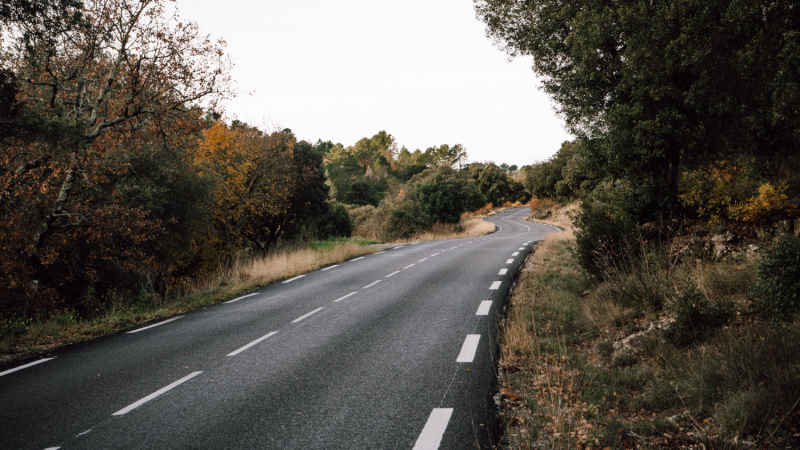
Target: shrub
[[777, 288], [770, 203], [335, 223], [601, 232], [696, 317]]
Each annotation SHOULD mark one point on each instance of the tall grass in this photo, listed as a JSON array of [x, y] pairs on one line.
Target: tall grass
[[25, 337], [660, 354]]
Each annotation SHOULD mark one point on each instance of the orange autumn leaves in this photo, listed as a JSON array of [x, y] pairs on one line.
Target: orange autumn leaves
[[254, 177]]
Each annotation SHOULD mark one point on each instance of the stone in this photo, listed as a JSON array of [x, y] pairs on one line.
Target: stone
[[782, 227]]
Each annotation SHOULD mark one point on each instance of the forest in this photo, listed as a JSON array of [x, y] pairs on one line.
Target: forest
[[123, 182]]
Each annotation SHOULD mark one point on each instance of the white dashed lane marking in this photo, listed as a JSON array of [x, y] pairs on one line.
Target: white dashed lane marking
[[515, 254], [432, 433], [503, 271], [292, 279], [244, 296], [467, 354], [155, 394], [483, 309], [393, 273], [509, 261], [410, 265], [331, 267], [372, 284], [496, 285], [155, 325], [25, 366], [342, 298], [236, 352], [307, 315]]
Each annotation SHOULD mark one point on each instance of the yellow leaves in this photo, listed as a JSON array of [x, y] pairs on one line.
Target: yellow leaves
[[770, 201]]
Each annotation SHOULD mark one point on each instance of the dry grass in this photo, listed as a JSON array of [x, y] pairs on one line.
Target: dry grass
[[241, 276], [469, 227], [569, 382], [261, 270], [552, 213]]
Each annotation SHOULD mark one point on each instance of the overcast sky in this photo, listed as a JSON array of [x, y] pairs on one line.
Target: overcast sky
[[423, 70]]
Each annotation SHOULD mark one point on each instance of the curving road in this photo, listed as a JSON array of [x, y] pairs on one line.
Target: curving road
[[392, 350]]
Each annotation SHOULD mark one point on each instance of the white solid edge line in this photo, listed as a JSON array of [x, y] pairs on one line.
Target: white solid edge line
[[306, 315], [423, 259], [154, 325], [393, 273], [244, 296], [331, 267], [503, 271], [483, 309], [236, 352], [372, 284], [495, 285], [156, 394], [515, 254], [357, 259], [410, 265], [431, 435], [467, 354], [292, 279], [342, 298], [25, 366]]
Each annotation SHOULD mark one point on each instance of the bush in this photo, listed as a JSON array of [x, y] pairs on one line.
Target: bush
[[601, 233], [696, 317], [335, 223], [777, 288]]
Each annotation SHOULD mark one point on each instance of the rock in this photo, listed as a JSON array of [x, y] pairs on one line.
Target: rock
[[782, 227], [764, 234], [796, 226], [723, 238]]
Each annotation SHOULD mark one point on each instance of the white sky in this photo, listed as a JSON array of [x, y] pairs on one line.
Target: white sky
[[423, 70]]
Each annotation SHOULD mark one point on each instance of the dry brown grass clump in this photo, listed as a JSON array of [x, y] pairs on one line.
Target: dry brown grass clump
[[264, 269]]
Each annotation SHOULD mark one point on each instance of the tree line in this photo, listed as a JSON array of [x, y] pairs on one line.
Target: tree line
[[678, 107], [117, 174]]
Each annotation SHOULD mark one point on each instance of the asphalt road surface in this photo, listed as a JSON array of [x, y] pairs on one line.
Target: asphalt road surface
[[393, 350]]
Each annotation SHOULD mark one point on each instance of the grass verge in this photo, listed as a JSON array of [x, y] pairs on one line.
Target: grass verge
[[24, 338], [588, 364]]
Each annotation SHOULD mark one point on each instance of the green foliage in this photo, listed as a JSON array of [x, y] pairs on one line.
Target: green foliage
[[696, 317], [601, 233], [656, 88], [776, 291], [335, 222], [547, 179]]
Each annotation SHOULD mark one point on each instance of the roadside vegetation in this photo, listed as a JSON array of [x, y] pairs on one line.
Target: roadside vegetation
[[658, 350], [670, 318]]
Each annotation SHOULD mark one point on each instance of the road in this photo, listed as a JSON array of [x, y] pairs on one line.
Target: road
[[392, 350]]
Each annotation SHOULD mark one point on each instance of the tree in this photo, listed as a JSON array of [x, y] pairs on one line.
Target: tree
[[654, 88], [255, 177], [91, 81]]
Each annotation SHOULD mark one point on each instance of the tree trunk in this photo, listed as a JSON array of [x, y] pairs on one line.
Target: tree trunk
[[58, 208]]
